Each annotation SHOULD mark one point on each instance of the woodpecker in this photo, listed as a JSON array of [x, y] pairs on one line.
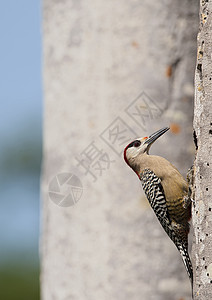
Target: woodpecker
[[166, 191]]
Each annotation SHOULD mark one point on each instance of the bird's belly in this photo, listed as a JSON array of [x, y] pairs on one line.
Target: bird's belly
[[178, 211]]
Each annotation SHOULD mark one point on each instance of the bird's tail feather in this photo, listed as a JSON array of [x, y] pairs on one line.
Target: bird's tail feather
[[182, 249], [187, 262]]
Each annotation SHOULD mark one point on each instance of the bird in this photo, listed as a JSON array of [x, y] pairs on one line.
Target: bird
[[166, 190]]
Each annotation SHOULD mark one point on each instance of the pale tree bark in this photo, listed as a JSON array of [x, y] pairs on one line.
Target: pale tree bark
[[98, 57], [202, 211]]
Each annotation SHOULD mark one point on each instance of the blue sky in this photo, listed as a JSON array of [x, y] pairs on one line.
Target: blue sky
[[20, 63], [20, 122]]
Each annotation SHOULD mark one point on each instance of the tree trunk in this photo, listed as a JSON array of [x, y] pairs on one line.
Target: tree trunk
[[202, 211], [113, 71]]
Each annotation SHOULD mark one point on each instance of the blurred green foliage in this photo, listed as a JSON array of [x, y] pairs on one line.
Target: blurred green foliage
[[19, 282], [20, 155]]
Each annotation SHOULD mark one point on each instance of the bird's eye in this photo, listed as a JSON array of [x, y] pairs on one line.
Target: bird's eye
[[136, 143]]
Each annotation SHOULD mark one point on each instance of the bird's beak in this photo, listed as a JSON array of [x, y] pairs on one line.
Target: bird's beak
[[153, 137]]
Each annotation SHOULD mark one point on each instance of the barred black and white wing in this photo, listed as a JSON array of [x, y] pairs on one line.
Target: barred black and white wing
[[155, 194]]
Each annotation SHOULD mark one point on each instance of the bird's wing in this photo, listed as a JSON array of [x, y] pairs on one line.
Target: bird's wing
[[155, 194]]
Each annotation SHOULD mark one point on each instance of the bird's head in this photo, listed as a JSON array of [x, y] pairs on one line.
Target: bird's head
[[142, 145]]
